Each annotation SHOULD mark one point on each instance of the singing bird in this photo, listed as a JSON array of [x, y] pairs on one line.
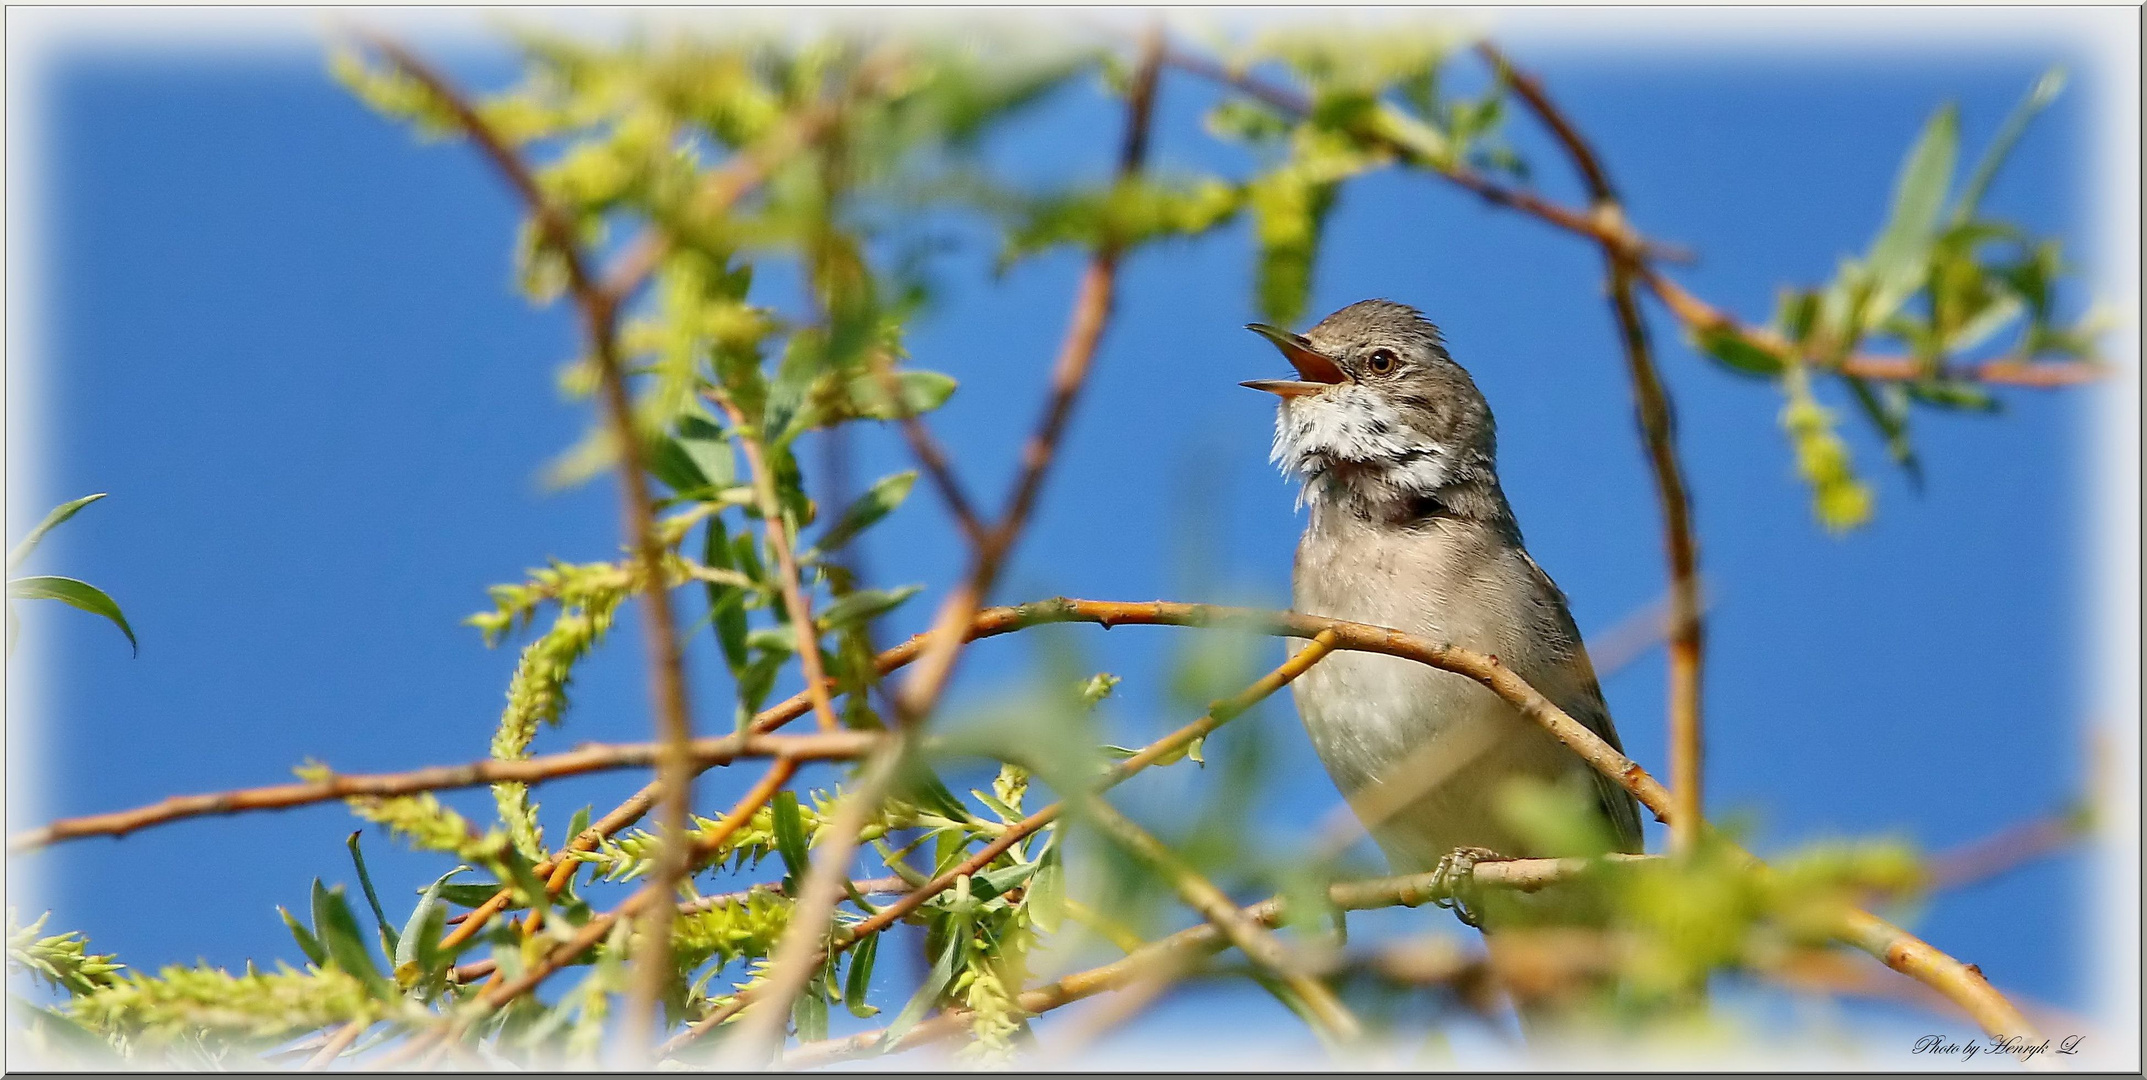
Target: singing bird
[[1395, 450]]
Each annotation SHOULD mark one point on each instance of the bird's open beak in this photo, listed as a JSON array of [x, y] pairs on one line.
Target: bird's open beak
[[1317, 370]]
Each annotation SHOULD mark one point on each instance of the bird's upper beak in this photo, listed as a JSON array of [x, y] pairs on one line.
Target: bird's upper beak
[[1319, 371]]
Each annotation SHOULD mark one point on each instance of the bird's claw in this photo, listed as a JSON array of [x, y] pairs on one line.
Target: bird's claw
[[1454, 883]]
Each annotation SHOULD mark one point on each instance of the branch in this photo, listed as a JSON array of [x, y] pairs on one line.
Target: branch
[[1189, 945], [667, 675], [1695, 314], [1220, 713], [1658, 431], [1700, 317], [1329, 1016], [596, 757], [1092, 310], [786, 562]]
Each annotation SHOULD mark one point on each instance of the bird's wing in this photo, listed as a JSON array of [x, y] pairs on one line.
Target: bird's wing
[[1578, 693]]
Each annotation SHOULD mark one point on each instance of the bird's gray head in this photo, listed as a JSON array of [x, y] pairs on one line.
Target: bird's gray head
[[1381, 422]]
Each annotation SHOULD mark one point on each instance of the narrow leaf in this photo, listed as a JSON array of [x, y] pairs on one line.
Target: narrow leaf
[[934, 983], [59, 513], [79, 594], [307, 943], [858, 981], [339, 936], [388, 937], [869, 508], [420, 942], [916, 393], [862, 605], [789, 834], [1898, 255], [2045, 90]]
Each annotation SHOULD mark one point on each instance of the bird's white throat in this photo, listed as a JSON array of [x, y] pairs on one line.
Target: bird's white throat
[[1347, 444]]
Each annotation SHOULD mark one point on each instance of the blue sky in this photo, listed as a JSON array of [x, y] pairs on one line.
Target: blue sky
[[282, 334]]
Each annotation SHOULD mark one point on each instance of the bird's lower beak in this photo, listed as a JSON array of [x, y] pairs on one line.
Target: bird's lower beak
[[1317, 369], [1288, 388]]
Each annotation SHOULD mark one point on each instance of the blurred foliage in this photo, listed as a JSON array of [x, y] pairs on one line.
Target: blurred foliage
[[721, 154]]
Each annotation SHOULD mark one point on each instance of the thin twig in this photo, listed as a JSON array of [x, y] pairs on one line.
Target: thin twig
[[596, 757], [1329, 1016], [1658, 431], [2026, 371], [1179, 949], [667, 676], [795, 601], [336, 1044], [1092, 311], [1219, 713]]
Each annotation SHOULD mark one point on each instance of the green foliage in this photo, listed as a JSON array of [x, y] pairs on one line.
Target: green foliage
[[62, 961], [255, 1008], [76, 594]]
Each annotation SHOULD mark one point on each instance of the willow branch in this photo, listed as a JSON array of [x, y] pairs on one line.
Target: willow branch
[[1219, 713], [1181, 949], [2026, 371], [667, 676], [1329, 1016], [1092, 312], [597, 757], [1658, 432], [786, 562]]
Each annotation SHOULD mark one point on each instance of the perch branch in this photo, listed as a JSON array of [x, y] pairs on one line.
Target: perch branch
[[1219, 713], [1329, 1016]]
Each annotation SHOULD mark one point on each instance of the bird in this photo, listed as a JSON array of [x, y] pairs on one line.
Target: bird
[[1395, 454]]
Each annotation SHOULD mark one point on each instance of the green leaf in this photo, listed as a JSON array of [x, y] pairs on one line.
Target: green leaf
[[469, 894], [726, 603], [307, 943], [786, 395], [862, 605], [1887, 409], [1950, 394], [916, 393], [858, 981], [79, 594], [2045, 90], [388, 938], [420, 941], [809, 1012], [524, 875], [1738, 352], [1899, 256], [935, 982], [59, 514], [876, 503], [789, 834], [1046, 901], [339, 935], [579, 823]]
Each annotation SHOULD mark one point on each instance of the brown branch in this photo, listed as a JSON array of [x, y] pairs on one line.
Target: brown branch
[[667, 676], [786, 561], [1220, 713], [932, 457], [336, 1044], [1180, 949], [596, 757], [1993, 855], [1658, 430], [1092, 311], [1701, 318], [1329, 1016], [1696, 314]]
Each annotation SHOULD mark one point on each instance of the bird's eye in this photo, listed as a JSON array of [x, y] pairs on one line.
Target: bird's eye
[[1383, 361]]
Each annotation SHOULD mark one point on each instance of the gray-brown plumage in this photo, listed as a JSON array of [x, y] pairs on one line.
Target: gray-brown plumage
[[1395, 450]]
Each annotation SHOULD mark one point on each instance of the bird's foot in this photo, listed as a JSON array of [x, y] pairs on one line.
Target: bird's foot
[[1454, 882]]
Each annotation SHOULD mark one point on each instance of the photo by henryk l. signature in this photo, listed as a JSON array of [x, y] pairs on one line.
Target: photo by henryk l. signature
[[2016, 1046]]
